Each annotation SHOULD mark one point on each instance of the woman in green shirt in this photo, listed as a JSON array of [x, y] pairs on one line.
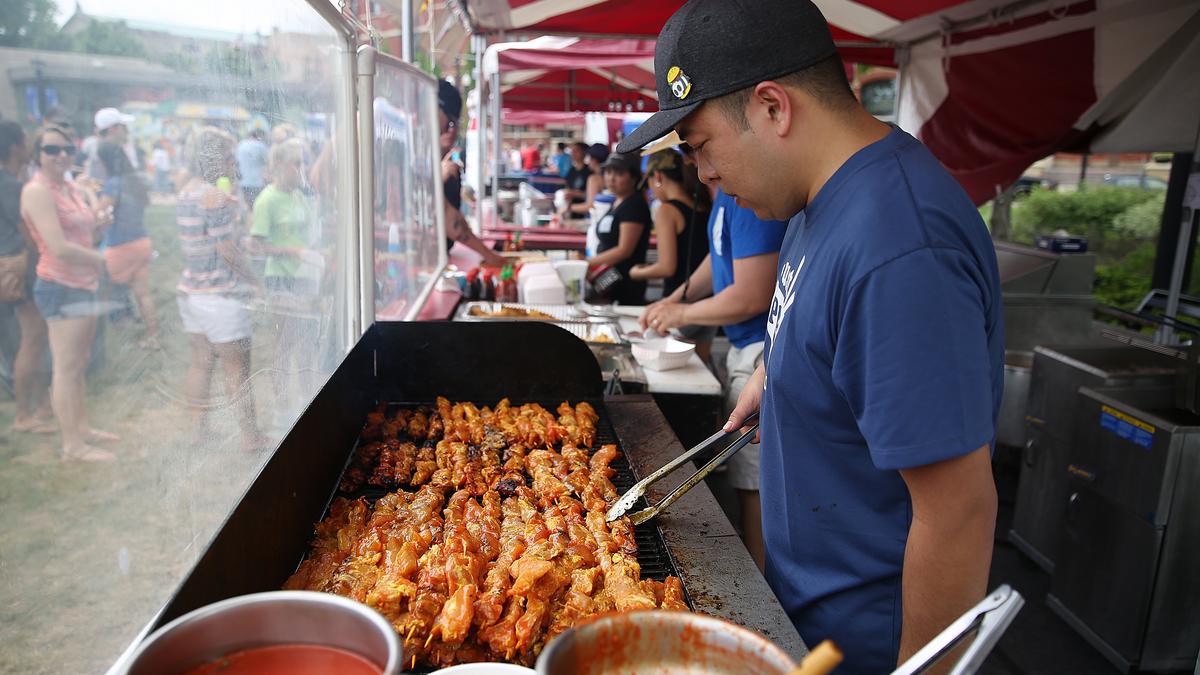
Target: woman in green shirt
[[284, 230]]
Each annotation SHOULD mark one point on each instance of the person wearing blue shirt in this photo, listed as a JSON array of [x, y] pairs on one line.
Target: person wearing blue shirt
[[884, 360], [252, 165], [562, 161], [732, 288]]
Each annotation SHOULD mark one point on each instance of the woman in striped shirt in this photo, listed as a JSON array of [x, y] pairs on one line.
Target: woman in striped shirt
[[217, 282]]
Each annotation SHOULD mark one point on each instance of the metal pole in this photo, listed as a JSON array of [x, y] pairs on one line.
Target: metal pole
[[903, 58], [41, 89], [406, 31], [497, 147], [1191, 214], [481, 113], [1083, 169], [343, 141], [366, 186]]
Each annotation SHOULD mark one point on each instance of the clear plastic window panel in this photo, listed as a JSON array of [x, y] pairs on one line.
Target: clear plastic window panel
[[221, 311], [408, 248]]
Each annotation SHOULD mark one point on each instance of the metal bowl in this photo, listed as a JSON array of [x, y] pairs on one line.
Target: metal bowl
[[663, 643], [261, 619]]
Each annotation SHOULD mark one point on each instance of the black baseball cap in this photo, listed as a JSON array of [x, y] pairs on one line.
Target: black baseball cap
[[623, 162], [597, 151], [449, 100], [710, 48]]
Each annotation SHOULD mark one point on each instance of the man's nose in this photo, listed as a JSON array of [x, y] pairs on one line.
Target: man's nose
[[708, 175]]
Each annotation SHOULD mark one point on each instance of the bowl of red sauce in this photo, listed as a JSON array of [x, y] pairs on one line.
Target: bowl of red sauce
[[663, 643], [274, 633]]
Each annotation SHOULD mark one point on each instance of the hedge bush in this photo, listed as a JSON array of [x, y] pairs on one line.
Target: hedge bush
[[1089, 213], [1120, 224]]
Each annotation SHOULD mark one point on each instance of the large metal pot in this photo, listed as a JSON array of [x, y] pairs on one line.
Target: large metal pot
[[663, 643], [261, 619]]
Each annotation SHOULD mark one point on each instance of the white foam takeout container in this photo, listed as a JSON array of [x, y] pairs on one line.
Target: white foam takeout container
[[662, 353]]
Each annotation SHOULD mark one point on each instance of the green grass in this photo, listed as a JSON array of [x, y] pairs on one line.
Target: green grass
[[88, 553]]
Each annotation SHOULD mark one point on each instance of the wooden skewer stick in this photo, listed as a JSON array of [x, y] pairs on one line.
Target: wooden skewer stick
[[819, 661]]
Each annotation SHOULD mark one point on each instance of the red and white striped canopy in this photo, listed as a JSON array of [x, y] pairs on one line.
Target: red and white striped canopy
[[990, 86]]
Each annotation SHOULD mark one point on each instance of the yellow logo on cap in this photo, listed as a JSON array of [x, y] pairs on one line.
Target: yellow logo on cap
[[681, 85]]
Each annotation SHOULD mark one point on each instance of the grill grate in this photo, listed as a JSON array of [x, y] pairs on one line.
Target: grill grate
[[653, 556]]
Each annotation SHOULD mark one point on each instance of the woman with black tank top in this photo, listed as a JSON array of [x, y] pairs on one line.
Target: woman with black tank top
[[621, 237], [680, 222]]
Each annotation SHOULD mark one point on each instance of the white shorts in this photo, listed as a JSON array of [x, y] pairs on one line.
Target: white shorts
[[220, 319], [740, 364]]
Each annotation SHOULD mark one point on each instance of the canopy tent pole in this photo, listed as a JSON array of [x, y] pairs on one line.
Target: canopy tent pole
[[903, 56], [1191, 214], [365, 61], [481, 114], [1172, 218], [497, 147], [406, 31]]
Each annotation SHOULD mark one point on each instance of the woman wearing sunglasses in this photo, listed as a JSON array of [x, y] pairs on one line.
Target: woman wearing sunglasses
[[68, 274]]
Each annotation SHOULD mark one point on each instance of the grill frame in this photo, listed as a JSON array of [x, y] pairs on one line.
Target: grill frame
[[267, 533]]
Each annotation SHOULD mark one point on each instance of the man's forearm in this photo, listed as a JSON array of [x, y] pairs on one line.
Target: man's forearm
[[946, 565], [699, 285], [723, 309]]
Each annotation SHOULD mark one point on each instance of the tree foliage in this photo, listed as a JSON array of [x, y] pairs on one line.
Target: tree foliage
[[27, 23], [30, 24], [112, 38], [1090, 213]]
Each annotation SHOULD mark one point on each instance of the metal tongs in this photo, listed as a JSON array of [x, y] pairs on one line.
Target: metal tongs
[[990, 618], [627, 500]]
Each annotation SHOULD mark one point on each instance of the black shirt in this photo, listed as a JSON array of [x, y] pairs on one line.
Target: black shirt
[[577, 179], [633, 209], [452, 191], [688, 256], [11, 240]]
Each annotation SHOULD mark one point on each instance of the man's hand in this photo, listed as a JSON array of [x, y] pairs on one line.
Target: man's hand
[[748, 401], [662, 317], [449, 167]]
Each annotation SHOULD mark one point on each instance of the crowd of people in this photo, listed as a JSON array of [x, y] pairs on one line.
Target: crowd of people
[[75, 251]]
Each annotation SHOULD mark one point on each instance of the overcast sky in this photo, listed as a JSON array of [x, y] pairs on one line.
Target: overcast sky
[[242, 16]]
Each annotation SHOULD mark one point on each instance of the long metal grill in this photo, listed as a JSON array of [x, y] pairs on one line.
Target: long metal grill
[[653, 555]]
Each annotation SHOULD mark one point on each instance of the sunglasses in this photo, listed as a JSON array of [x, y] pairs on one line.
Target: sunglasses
[[53, 150]]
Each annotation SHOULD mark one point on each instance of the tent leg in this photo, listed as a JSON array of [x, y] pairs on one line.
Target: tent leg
[[1188, 224], [497, 146], [1172, 220], [481, 131]]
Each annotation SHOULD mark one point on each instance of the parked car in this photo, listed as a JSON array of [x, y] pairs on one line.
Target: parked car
[[1025, 184]]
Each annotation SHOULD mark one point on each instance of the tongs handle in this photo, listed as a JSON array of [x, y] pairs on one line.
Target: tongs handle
[[990, 618], [626, 501]]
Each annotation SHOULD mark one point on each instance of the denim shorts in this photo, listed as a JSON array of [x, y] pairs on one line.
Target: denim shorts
[[56, 301]]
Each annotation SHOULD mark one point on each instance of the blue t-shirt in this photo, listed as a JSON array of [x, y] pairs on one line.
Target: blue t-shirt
[[562, 163], [885, 351], [252, 160], [734, 233], [129, 211]]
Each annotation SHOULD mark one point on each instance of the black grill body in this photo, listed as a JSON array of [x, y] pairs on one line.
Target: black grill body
[[266, 536]]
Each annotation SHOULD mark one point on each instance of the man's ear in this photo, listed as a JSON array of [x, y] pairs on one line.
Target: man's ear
[[773, 106]]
